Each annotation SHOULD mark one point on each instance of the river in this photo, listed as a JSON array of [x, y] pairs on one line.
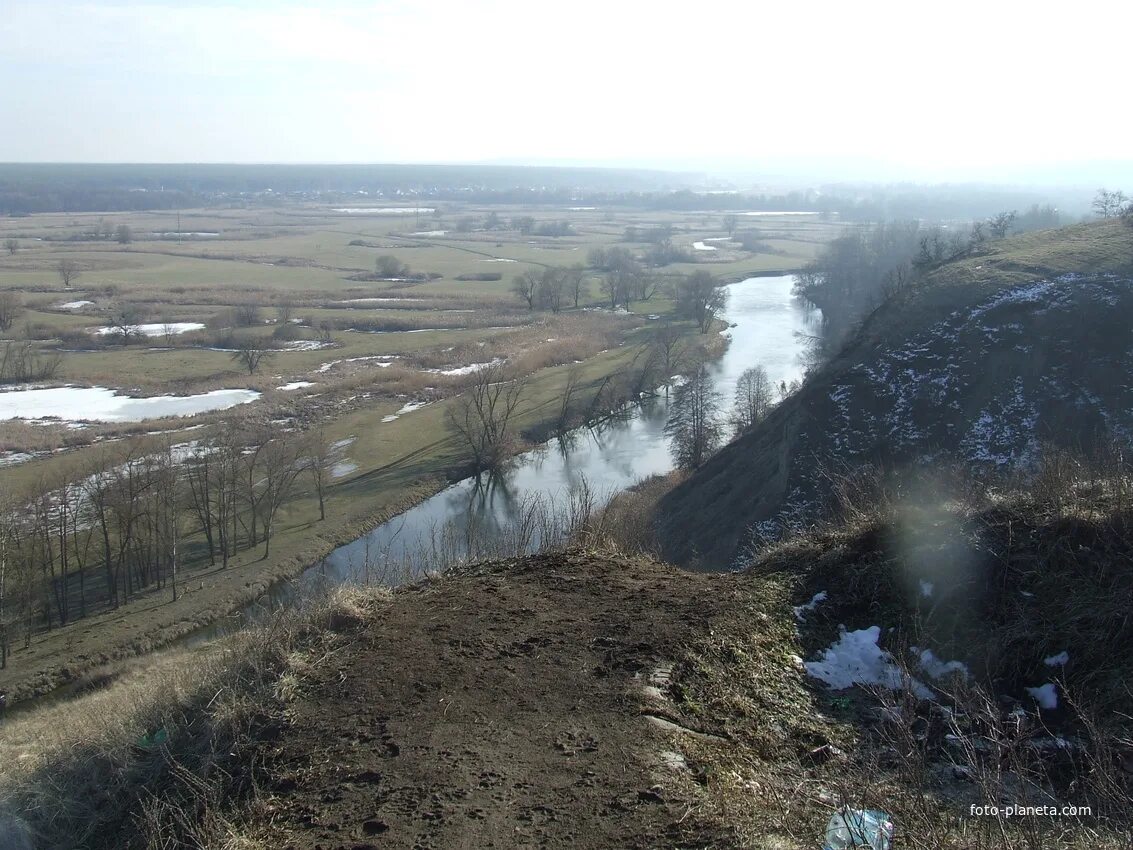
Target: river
[[768, 324]]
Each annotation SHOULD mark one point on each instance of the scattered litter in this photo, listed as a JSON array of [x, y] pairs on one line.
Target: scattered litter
[[858, 828]]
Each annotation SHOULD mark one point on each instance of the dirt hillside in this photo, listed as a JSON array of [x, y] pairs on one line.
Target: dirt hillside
[[558, 701]]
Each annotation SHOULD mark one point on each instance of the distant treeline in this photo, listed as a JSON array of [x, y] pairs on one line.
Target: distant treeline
[[41, 187]]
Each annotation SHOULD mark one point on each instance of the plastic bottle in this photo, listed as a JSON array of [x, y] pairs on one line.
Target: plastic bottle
[[850, 828]]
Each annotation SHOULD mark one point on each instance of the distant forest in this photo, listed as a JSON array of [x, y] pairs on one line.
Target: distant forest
[[48, 187]]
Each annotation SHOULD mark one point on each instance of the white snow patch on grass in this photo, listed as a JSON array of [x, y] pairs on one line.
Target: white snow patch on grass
[[801, 610], [936, 668], [1058, 660], [700, 246], [100, 404], [307, 345], [296, 385], [74, 305], [856, 659], [155, 329], [469, 369], [1045, 695], [408, 407]]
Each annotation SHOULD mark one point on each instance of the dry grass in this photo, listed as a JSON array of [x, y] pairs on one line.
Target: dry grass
[[1017, 570], [161, 757]]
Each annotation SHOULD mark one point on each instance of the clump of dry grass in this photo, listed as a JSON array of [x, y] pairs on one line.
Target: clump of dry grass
[[1001, 573], [158, 759]]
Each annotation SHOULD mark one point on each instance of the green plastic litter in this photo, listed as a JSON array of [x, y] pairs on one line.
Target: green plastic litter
[[154, 739]]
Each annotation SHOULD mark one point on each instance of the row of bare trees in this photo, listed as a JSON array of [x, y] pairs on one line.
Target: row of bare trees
[[90, 539]]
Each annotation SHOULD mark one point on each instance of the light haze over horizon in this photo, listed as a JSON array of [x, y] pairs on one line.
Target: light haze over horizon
[[884, 89]]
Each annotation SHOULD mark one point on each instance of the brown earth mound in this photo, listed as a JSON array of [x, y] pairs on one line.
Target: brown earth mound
[[557, 701]]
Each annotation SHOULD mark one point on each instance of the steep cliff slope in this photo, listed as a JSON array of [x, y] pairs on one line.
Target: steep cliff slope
[[986, 361]]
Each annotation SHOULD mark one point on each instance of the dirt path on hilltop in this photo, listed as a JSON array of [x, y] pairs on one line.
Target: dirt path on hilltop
[[520, 705]]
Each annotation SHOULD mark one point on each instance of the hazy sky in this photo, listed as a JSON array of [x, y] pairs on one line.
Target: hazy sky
[[939, 87]]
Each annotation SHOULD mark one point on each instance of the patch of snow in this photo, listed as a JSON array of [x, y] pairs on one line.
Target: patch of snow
[[801, 610], [15, 458], [74, 305], [99, 404], [1045, 695], [856, 659], [387, 360], [375, 300], [1058, 660], [408, 407], [383, 210], [307, 345], [499, 260], [429, 233], [296, 385], [937, 669], [469, 369], [700, 246], [155, 329], [926, 589], [343, 468]]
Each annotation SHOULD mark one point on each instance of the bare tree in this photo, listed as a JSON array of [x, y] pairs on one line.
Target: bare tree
[[68, 272], [670, 349], [246, 315], [575, 277], [1109, 204], [319, 460], [526, 287], [730, 222], [693, 420], [549, 294], [481, 417], [566, 416], [754, 398], [284, 309], [12, 245], [699, 298], [389, 266], [250, 353], [11, 307], [124, 318], [123, 235], [999, 225]]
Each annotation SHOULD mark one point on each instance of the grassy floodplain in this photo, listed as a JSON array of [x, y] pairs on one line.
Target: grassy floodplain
[[302, 274]]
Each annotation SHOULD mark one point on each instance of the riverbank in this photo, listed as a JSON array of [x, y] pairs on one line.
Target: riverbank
[[96, 649]]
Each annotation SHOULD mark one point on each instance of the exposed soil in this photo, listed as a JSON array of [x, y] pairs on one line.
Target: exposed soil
[[529, 703]]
